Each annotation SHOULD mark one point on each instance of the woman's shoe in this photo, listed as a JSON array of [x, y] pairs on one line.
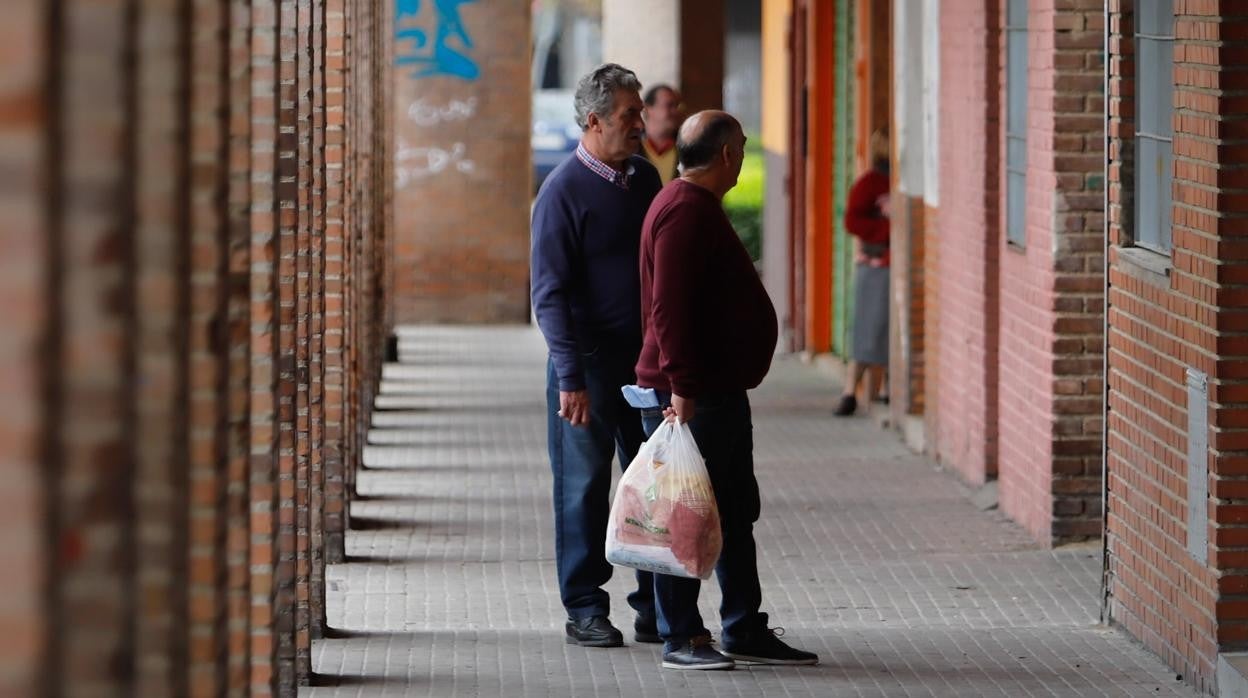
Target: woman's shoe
[[848, 406]]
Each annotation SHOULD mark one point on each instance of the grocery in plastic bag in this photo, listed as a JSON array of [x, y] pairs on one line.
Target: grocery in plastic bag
[[664, 518]]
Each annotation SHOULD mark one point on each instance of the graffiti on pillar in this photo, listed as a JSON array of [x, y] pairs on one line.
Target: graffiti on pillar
[[422, 112], [415, 21], [413, 163]]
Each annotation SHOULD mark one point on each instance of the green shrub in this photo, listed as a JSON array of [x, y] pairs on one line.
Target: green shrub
[[744, 204]]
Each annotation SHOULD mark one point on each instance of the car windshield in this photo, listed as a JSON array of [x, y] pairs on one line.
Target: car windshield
[[553, 107]]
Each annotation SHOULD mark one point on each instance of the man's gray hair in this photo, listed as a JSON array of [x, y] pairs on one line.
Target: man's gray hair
[[595, 93]]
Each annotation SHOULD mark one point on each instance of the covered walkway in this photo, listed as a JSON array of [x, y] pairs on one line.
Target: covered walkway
[[870, 556]]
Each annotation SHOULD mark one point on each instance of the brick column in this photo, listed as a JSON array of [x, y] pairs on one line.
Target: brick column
[[316, 361], [207, 337], [288, 253], [24, 361], [462, 165], [238, 348], [170, 336], [160, 306], [90, 461], [263, 351], [335, 251], [304, 302]]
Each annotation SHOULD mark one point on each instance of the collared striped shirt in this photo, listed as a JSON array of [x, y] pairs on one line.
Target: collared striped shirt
[[602, 169]]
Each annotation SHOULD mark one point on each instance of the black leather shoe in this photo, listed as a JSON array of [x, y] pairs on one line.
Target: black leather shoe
[[765, 647], [595, 631], [848, 406], [697, 654], [646, 629]]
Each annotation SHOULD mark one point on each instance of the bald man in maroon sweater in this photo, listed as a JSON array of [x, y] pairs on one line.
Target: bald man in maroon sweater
[[709, 332]]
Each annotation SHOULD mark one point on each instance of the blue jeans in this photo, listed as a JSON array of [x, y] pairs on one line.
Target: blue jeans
[[580, 459], [723, 431]]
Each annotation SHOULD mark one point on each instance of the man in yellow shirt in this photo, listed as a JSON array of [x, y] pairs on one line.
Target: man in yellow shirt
[[662, 114]]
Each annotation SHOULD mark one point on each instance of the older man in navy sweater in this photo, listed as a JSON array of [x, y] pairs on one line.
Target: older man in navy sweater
[[586, 297]]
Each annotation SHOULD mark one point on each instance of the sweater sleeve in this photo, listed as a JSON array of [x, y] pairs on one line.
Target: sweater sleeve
[[862, 217], [552, 270], [680, 269]]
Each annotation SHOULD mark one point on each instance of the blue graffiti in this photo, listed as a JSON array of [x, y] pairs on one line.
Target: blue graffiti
[[413, 47]]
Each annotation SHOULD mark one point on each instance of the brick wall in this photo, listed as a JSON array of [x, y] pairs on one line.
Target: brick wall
[[1186, 607], [462, 171], [1051, 287], [1027, 295], [926, 376], [966, 264], [1051, 299], [175, 330], [1013, 364], [908, 357], [1078, 229]]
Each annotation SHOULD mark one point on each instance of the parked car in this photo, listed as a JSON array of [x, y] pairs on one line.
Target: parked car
[[555, 133]]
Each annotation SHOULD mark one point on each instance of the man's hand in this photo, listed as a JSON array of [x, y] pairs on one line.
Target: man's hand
[[574, 406], [682, 409]]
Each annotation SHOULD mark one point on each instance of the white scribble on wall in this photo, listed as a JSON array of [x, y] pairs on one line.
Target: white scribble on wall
[[413, 163], [423, 113]]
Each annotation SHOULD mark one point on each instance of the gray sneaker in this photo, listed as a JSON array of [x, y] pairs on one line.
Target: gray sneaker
[[697, 653]]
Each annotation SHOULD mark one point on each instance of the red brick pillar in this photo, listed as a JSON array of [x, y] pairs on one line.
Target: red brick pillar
[[24, 359], [335, 271], [207, 344], [288, 259], [238, 287], [462, 166], [316, 361], [305, 302], [264, 347], [90, 460], [175, 336], [160, 306]]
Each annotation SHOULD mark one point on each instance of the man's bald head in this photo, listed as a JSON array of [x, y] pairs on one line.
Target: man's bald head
[[703, 136]]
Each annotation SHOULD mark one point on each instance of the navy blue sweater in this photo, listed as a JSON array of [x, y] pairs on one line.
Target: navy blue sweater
[[584, 264]]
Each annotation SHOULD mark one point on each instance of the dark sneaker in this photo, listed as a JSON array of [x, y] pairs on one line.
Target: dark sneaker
[[646, 629], [697, 653], [848, 406], [595, 631], [765, 647]]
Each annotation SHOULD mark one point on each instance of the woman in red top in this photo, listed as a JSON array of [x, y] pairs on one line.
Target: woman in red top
[[866, 218]]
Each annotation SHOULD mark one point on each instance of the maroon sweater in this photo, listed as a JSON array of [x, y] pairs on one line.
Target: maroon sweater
[[709, 327], [864, 218]]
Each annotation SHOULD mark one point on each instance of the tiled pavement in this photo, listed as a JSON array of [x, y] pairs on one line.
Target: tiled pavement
[[869, 555]]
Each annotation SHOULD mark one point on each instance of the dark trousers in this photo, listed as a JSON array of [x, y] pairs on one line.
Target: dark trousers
[[723, 431], [580, 459]]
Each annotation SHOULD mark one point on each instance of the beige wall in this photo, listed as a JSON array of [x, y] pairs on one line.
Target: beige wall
[[776, 75], [679, 42], [643, 36]]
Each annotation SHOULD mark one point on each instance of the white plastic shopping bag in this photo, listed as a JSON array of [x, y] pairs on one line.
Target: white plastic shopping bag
[[664, 518]]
